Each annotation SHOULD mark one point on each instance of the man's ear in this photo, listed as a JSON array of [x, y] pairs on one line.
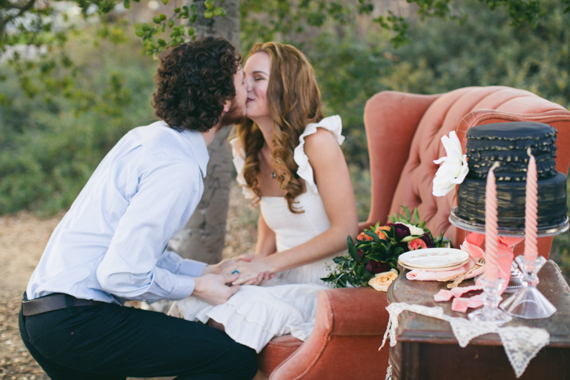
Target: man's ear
[[227, 105]]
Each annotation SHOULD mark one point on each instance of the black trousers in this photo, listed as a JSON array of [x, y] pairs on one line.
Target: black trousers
[[111, 342]]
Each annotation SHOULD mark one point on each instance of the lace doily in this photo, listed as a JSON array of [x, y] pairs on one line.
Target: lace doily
[[521, 343]]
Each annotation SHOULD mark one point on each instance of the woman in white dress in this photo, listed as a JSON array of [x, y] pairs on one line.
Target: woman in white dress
[[290, 164]]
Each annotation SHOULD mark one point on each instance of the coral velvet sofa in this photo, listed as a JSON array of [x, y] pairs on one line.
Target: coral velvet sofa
[[404, 132]]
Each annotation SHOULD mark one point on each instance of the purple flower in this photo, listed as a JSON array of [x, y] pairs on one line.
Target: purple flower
[[360, 253], [400, 231], [427, 239]]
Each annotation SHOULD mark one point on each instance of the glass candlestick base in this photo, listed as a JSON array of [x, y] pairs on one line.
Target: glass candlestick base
[[491, 298], [528, 302], [516, 280]]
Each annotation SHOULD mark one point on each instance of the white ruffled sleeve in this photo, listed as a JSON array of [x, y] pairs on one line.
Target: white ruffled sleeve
[[239, 162], [305, 171]]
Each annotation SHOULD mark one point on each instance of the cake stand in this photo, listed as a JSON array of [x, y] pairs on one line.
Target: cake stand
[[470, 226], [515, 282], [528, 302]]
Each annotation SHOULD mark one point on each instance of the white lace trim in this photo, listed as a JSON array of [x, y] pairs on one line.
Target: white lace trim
[[521, 343], [305, 171]]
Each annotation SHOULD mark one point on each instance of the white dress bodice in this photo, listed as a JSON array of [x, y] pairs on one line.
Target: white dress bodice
[[292, 230]]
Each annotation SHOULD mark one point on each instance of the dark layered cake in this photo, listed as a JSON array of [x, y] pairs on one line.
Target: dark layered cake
[[507, 143]]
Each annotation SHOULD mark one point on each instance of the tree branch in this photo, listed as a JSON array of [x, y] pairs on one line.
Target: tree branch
[[21, 10]]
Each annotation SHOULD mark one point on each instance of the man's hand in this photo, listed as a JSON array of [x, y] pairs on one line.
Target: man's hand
[[212, 288]]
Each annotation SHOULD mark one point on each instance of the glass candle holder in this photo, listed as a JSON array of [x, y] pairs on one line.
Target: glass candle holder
[[529, 302], [490, 311]]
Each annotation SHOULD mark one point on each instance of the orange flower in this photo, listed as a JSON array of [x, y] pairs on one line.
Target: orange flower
[[381, 234], [417, 244], [363, 237]]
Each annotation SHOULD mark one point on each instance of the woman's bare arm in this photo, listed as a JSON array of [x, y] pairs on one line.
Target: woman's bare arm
[[265, 239]]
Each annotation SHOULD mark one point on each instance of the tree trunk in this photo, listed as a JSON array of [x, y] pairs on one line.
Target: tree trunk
[[202, 238]]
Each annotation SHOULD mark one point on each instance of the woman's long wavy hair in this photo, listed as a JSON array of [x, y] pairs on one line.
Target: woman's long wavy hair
[[294, 102]]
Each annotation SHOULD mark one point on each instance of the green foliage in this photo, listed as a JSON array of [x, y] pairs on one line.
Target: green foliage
[[48, 150]]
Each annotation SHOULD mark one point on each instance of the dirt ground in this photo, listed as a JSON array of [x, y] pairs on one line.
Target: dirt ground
[[23, 238]]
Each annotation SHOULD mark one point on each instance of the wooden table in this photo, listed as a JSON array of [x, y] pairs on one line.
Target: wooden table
[[427, 348]]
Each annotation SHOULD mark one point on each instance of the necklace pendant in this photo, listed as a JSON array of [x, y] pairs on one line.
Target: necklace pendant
[[273, 174]]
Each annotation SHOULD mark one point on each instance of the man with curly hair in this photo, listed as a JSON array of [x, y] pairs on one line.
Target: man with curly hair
[[111, 245]]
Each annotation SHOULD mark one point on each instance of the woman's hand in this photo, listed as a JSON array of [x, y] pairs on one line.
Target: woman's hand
[[254, 272], [226, 263]]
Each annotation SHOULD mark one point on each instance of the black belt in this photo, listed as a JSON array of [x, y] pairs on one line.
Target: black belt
[[54, 302]]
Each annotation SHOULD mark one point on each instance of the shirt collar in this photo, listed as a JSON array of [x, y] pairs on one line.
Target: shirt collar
[[198, 146]]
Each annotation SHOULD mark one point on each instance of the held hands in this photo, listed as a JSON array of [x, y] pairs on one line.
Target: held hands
[[214, 289], [251, 272]]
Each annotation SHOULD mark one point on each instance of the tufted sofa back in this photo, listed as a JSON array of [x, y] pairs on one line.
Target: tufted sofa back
[[404, 138]]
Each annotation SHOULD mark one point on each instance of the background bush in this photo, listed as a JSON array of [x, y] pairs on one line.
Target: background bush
[[50, 147]]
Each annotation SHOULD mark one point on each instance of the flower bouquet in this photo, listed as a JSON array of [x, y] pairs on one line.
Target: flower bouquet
[[372, 259]]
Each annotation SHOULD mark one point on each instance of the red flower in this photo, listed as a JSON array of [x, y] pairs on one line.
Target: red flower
[[417, 244]]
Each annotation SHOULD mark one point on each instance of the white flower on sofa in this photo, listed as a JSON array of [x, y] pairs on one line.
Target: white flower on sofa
[[453, 167]]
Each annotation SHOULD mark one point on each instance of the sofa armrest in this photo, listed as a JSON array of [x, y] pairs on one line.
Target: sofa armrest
[[349, 326], [353, 311]]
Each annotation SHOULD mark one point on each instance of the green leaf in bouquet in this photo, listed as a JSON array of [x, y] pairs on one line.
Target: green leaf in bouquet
[[378, 256], [341, 281], [422, 224], [340, 259], [410, 238], [352, 248], [416, 218], [350, 280], [408, 214], [353, 265], [373, 235]]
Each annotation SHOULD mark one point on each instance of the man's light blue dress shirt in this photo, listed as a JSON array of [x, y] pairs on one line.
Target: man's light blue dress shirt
[[110, 246]]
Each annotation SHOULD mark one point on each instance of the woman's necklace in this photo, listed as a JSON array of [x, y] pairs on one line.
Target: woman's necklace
[[268, 159]]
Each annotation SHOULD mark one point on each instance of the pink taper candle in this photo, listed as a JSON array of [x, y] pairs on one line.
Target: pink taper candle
[[491, 227], [531, 210]]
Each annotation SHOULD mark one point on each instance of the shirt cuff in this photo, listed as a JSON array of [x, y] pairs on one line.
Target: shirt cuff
[[184, 287], [191, 268]]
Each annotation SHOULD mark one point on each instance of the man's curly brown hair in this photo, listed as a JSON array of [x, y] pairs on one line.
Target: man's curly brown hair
[[193, 82]]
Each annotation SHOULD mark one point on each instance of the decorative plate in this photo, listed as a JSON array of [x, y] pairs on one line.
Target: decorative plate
[[435, 269], [433, 258]]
